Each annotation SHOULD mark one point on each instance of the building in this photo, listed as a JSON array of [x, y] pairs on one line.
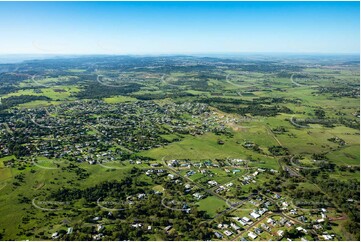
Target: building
[[255, 215], [213, 183], [235, 227], [243, 223], [197, 195], [252, 235], [247, 220], [100, 227], [168, 228], [55, 235], [218, 235], [301, 229]]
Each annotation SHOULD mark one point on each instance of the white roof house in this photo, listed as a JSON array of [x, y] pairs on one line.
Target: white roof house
[[246, 219], [252, 235], [55, 235], [242, 222], [235, 227], [254, 215]]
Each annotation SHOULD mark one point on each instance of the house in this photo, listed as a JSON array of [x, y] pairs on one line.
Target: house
[[55, 235], [264, 226], [235, 227], [262, 211], [236, 171], [220, 189], [252, 235], [100, 227], [283, 221], [301, 229], [171, 176], [137, 225], [293, 211], [173, 163], [70, 230], [271, 221], [317, 226], [242, 222], [97, 236], [228, 233], [254, 215], [302, 219], [258, 231], [284, 205], [213, 183], [168, 228], [190, 173], [197, 195], [149, 172], [245, 219], [218, 235], [149, 227], [327, 237], [289, 224], [141, 196], [320, 220], [280, 233]]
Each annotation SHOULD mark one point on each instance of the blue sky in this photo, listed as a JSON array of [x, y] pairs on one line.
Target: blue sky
[[178, 27]]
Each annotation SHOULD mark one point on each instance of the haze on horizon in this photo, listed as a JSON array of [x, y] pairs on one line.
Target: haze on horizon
[[179, 27]]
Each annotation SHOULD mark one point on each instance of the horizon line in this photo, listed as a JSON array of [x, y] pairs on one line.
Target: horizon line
[[182, 53]]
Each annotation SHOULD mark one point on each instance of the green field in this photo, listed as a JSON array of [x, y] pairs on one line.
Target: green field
[[212, 205]]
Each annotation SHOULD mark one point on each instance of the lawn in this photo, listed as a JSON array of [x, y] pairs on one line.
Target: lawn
[[347, 156], [119, 99], [212, 205], [205, 147]]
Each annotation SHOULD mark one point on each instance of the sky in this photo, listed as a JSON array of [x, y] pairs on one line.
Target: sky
[[179, 27]]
